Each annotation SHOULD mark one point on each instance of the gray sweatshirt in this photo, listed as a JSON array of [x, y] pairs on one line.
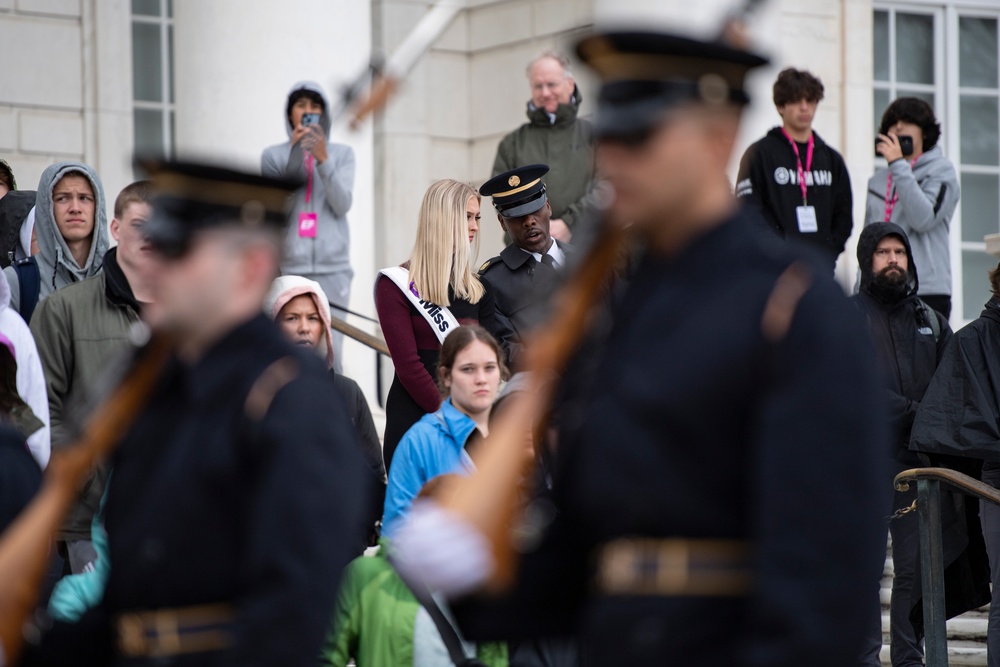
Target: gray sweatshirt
[[928, 195], [331, 198], [56, 265]]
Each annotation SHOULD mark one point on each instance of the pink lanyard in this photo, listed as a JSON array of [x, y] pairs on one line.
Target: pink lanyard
[[309, 176], [890, 202], [798, 160]]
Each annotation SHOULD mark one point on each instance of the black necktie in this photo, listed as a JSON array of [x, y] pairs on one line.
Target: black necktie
[[548, 261]]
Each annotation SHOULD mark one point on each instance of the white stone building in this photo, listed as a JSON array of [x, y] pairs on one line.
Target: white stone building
[[97, 79]]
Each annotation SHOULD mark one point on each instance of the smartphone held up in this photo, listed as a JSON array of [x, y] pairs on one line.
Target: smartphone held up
[[905, 144]]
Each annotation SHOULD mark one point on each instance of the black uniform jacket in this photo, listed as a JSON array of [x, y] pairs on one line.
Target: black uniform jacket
[[523, 289], [736, 397], [220, 496], [907, 344]]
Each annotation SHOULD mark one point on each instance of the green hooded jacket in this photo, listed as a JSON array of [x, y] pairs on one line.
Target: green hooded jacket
[[566, 145], [79, 330], [376, 617]]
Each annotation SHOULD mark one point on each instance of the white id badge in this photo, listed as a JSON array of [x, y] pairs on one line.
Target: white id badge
[[806, 215]]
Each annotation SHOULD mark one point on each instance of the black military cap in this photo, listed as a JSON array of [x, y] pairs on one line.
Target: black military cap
[[190, 197], [517, 192], [645, 73]]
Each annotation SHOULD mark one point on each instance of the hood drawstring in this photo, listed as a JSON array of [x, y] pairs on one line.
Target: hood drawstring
[[55, 266]]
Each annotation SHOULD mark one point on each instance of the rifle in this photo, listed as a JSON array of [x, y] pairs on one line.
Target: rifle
[[24, 546], [387, 77]]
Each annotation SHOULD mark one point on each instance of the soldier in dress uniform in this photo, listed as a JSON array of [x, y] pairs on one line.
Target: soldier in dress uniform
[[237, 495], [721, 470], [527, 271]]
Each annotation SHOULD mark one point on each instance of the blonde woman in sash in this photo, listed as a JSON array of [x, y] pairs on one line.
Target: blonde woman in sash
[[428, 296]]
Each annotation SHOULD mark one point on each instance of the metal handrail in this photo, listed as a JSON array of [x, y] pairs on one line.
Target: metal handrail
[[374, 342], [929, 481], [970, 486]]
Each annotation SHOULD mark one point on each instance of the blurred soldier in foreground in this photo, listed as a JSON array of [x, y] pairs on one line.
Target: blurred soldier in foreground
[[236, 497], [721, 474]]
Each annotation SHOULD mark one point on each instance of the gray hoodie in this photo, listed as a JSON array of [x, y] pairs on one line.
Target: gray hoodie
[[56, 265], [333, 182], [928, 195]]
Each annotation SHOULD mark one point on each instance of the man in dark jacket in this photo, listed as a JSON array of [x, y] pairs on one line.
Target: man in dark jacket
[[237, 492], [79, 330], [529, 269], [910, 339], [798, 182], [554, 135]]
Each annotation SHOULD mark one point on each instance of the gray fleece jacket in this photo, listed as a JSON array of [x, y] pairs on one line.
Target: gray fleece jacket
[[928, 195], [56, 266], [333, 182]]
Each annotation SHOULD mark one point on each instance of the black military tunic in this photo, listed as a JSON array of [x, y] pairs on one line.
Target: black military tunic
[[220, 494], [523, 288], [735, 398]]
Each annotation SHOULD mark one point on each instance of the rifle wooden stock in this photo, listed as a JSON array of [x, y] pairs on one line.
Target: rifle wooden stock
[[489, 499], [24, 546], [381, 91]]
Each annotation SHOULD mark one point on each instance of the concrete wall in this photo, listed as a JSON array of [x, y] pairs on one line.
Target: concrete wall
[[233, 71], [66, 87]]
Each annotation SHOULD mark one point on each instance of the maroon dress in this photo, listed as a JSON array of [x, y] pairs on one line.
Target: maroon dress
[[415, 351]]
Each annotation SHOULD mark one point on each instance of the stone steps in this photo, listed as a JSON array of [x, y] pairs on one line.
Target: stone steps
[[966, 633]]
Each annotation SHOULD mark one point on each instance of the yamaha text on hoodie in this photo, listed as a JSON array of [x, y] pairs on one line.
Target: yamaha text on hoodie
[[769, 178]]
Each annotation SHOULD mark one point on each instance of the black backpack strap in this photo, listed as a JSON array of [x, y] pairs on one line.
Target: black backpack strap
[[29, 281], [449, 634]]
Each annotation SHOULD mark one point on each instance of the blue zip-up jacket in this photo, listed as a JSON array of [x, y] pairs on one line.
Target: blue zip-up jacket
[[433, 446]]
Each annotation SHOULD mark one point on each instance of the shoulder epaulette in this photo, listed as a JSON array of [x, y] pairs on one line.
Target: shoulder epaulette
[[487, 264]]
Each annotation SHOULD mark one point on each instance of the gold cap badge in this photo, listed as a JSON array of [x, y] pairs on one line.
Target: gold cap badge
[[514, 181]]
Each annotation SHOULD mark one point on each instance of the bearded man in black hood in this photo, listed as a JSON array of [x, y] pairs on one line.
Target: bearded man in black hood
[[910, 339]]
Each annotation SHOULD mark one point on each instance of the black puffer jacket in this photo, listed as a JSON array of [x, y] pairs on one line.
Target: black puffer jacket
[[908, 341]]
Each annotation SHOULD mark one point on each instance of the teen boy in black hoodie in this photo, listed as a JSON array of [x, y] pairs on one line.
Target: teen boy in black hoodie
[[816, 207]]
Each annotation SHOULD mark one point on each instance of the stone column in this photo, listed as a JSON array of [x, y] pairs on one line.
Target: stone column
[[234, 63]]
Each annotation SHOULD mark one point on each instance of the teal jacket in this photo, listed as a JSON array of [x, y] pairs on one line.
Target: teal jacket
[[433, 446], [379, 623], [75, 594]]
